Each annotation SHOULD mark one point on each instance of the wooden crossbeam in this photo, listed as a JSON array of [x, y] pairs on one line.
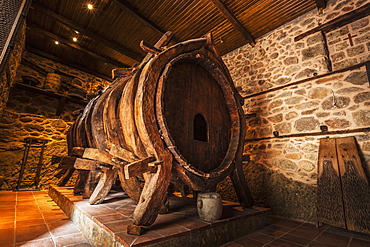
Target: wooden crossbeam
[[125, 51], [95, 154], [91, 165], [137, 168], [69, 64], [76, 46], [234, 21], [125, 6]]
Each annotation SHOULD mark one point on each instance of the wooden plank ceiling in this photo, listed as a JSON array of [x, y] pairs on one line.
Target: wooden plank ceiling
[[108, 36]]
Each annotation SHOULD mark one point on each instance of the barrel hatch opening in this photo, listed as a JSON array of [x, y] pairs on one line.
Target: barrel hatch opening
[[200, 128]]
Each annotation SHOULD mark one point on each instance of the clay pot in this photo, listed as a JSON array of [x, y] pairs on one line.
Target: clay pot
[[209, 206]]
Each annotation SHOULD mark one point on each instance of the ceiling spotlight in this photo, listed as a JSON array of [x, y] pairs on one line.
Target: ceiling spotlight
[[74, 39], [56, 42], [90, 6], [77, 32]]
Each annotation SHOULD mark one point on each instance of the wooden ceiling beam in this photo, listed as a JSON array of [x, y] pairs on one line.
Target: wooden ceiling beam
[[320, 4], [66, 63], [234, 21], [84, 31], [76, 46], [125, 6]]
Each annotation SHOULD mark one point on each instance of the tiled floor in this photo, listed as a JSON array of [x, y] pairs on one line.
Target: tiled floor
[[31, 218], [290, 233]]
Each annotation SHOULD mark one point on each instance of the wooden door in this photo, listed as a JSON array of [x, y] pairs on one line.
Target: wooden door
[[196, 115], [343, 188]]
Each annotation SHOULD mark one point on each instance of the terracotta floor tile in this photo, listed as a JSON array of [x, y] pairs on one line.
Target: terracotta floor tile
[[274, 231], [6, 225], [6, 219], [245, 241], [29, 216], [110, 218], [6, 239], [125, 238], [31, 229], [282, 243], [20, 238], [48, 242], [170, 230], [307, 232], [319, 244], [332, 238], [232, 244], [97, 210], [118, 226], [355, 242], [260, 237], [67, 228], [126, 211], [285, 222], [30, 222], [193, 224], [296, 239], [69, 239]]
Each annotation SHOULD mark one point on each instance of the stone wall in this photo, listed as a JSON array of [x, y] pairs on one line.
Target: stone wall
[[10, 65], [33, 114], [291, 88]]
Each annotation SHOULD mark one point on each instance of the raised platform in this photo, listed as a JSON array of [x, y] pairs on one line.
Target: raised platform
[[105, 224]]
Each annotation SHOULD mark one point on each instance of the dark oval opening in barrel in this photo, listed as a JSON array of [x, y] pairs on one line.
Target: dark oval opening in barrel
[[196, 115]]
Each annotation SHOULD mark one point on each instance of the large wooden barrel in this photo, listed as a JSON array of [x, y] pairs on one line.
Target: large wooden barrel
[[178, 111]]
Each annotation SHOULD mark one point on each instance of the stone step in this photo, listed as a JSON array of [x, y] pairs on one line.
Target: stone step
[[105, 224]]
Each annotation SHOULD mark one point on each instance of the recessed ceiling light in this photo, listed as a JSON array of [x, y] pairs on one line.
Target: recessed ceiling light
[[77, 32], [56, 42], [90, 6], [74, 39]]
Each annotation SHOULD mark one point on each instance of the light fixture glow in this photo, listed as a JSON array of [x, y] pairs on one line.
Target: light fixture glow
[[90, 6], [74, 39], [77, 32], [56, 42]]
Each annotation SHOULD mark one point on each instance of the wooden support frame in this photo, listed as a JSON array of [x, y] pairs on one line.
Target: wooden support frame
[[234, 21], [125, 6]]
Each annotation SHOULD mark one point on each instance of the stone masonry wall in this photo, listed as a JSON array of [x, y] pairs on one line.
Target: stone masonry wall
[[293, 88], [9, 70], [29, 114]]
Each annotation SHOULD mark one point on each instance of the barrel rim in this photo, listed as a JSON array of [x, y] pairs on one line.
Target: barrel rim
[[205, 59]]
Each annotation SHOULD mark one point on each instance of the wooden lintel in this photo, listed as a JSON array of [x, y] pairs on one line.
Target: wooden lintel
[[69, 64], [234, 21], [338, 22], [125, 6], [76, 46], [91, 165], [86, 32], [139, 167], [149, 48]]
